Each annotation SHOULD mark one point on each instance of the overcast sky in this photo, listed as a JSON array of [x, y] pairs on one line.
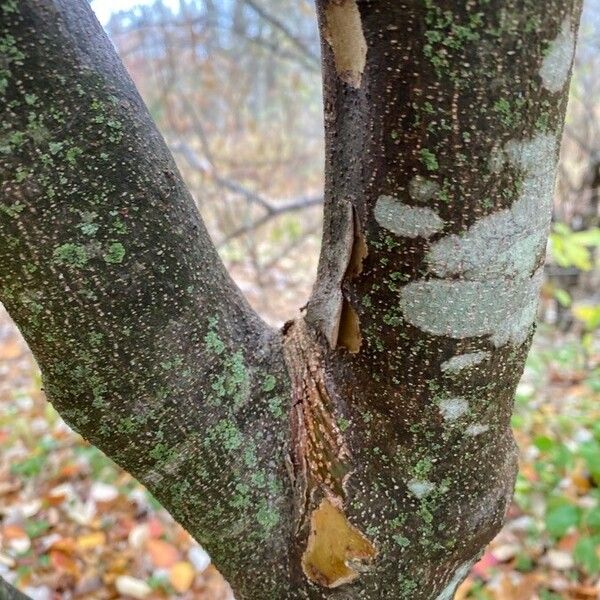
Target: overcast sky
[[104, 8]]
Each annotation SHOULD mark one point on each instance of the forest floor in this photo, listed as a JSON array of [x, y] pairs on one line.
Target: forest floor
[[73, 525]]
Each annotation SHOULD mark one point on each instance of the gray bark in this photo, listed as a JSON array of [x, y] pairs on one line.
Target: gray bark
[[365, 450]]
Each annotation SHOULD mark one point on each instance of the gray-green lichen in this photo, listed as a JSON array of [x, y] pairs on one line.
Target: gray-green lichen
[[464, 361], [559, 57], [507, 242], [420, 487], [422, 189], [460, 309], [477, 429], [405, 220], [453, 409], [489, 278]]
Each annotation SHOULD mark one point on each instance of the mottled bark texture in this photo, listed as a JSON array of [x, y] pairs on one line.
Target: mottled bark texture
[[365, 451]]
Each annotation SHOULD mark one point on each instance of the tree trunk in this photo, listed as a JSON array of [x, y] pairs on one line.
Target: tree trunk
[[365, 450]]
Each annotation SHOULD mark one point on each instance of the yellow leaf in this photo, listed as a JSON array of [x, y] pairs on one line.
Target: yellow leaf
[[181, 576], [91, 540]]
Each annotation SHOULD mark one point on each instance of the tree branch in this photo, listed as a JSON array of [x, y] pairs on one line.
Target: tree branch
[[8, 592], [146, 346]]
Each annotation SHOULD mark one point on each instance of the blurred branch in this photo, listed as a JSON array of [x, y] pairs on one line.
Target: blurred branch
[[283, 28], [272, 209], [309, 61]]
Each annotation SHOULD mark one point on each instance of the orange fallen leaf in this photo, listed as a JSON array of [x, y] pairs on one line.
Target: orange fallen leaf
[[63, 562], [162, 553], [568, 542], [10, 350], [14, 532], [155, 528], [582, 591], [528, 471], [463, 589], [91, 540], [181, 576], [65, 545], [580, 479], [55, 497], [69, 471]]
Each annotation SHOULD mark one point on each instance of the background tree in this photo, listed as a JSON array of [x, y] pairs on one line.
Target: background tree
[[364, 451]]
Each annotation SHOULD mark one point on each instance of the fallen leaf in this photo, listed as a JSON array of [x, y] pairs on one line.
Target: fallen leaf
[[66, 545], [103, 492], [559, 560], [138, 536], [91, 540], [13, 532], [505, 552], [463, 589], [155, 528], [162, 553], [63, 562], [130, 586], [181, 576]]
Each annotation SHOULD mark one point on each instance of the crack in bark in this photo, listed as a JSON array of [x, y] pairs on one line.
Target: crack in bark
[[349, 335], [320, 465]]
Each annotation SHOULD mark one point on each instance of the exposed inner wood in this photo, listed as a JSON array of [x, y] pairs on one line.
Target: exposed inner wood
[[349, 334], [344, 34], [334, 546]]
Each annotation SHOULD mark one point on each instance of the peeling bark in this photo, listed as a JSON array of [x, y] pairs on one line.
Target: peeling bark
[[365, 451], [343, 32]]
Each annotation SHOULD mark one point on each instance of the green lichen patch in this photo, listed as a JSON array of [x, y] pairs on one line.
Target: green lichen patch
[[429, 159], [115, 253], [70, 254]]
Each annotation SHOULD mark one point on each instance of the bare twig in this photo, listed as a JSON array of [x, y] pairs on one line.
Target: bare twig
[[281, 26], [272, 209]]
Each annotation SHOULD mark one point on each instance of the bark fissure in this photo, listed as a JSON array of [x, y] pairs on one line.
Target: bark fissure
[[322, 465], [321, 456]]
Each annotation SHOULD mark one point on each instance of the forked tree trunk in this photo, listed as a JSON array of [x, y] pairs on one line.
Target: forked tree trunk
[[364, 451]]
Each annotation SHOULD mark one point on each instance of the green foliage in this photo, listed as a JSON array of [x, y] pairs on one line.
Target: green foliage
[[558, 486], [36, 528], [561, 519], [589, 315], [574, 248], [586, 554], [30, 467]]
